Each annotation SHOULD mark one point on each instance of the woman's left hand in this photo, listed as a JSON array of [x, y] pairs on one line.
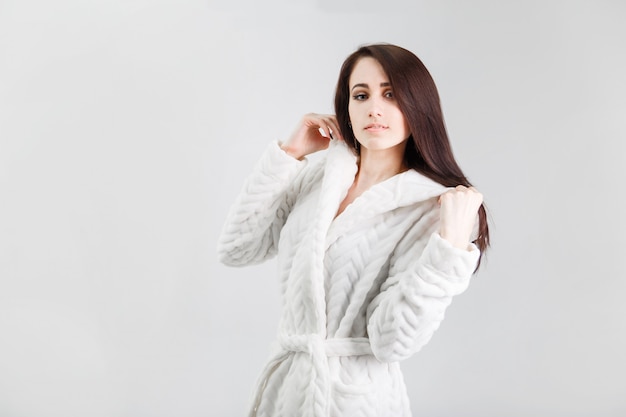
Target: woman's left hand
[[459, 208]]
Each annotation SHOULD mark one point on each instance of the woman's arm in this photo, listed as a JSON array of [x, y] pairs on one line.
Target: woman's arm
[[250, 233], [413, 300]]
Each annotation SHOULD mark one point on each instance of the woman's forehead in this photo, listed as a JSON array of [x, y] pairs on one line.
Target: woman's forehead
[[368, 70]]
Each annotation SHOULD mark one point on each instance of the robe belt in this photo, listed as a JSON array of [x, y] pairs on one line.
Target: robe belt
[[313, 343], [319, 349]]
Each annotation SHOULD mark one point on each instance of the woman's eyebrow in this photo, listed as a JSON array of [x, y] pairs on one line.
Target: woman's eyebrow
[[386, 84]]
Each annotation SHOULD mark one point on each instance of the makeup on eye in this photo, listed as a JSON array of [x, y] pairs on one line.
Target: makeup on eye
[[360, 95]]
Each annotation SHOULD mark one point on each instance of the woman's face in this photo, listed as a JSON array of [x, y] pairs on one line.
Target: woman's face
[[377, 122]]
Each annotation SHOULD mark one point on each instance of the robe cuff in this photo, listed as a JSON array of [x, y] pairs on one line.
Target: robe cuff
[[277, 164], [453, 263]]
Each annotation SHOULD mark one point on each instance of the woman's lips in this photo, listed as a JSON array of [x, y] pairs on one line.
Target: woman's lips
[[375, 127]]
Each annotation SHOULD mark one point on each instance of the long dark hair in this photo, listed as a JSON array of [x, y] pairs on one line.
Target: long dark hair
[[428, 150]]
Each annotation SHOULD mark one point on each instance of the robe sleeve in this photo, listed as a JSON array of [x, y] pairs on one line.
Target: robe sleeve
[[411, 305], [252, 227]]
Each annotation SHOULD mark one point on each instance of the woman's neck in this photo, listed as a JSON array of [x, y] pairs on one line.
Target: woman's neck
[[374, 167], [378, 166]]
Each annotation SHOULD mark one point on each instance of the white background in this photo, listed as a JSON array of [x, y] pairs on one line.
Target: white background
[[127, 128]]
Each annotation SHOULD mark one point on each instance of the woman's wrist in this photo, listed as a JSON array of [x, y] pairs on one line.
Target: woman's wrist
[[455, 240], [289, 150]]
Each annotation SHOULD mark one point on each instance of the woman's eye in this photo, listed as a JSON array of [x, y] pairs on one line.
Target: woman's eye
[[360, 96], [389, 94]]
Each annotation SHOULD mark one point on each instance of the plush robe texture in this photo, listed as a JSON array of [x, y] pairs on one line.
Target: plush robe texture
[[361, 291]]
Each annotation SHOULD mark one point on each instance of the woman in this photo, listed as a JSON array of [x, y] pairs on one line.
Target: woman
[[373, 241]]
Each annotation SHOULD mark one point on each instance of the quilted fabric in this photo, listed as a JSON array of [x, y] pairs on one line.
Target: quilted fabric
[[361, 291]]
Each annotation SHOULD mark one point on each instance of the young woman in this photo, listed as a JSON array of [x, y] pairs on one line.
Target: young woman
[[373, 240]]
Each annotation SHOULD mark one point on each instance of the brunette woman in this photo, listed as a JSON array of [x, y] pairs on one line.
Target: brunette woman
[[373, 240]]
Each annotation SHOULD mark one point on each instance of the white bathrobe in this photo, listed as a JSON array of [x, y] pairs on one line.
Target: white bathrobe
[[361, 291]]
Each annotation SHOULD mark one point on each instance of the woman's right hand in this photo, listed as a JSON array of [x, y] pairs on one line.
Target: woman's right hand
[[307, 138]]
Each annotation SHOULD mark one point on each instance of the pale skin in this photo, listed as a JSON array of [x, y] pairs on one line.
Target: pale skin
[[382, 132]]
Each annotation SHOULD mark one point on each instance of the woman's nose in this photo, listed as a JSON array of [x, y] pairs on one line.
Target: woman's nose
[[375, 111]]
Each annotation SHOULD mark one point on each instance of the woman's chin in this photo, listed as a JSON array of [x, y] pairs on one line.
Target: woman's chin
[[378, 145]]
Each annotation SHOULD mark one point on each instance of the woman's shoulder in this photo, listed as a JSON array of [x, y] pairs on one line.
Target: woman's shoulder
[[413, 187], [336, 162], [311, 175]]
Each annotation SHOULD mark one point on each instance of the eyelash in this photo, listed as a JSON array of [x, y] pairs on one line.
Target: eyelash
[[363, 96]]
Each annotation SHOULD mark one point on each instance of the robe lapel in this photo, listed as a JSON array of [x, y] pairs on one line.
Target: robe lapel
[[339, 171], [409, 187], [305, 293]]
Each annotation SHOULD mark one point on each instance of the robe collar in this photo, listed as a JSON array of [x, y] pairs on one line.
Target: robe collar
[[406, 188]]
